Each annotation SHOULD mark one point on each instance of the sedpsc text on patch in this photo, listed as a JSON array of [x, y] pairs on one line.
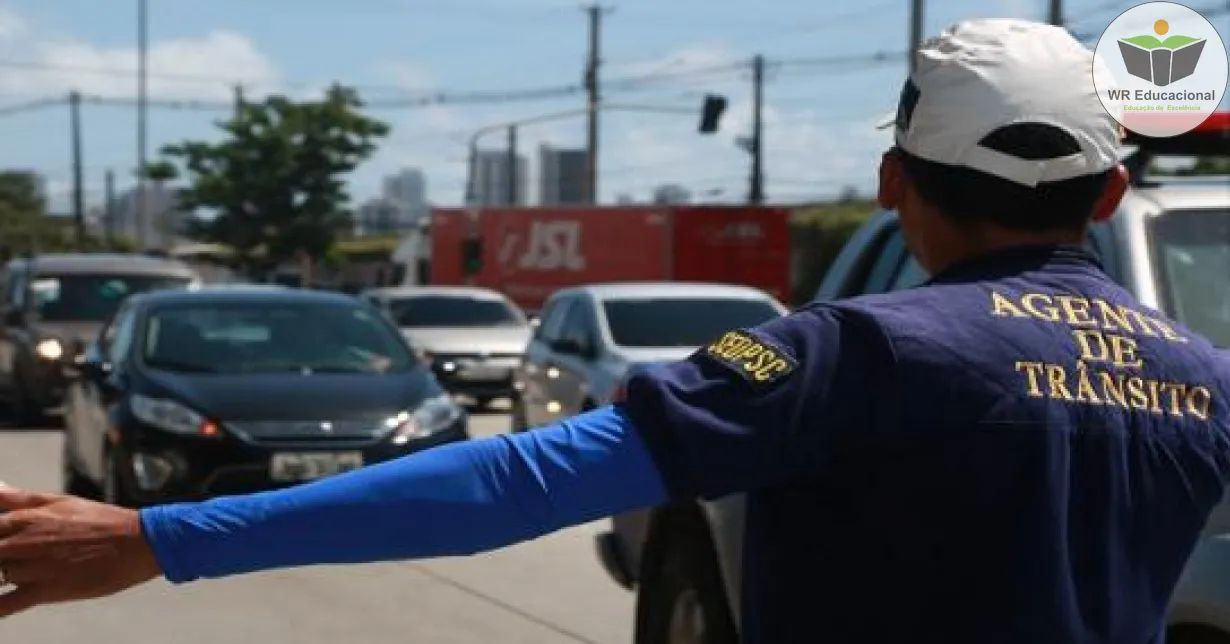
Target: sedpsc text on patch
[[755, 360]]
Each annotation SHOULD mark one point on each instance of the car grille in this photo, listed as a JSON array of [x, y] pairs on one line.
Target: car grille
[[294, 432], [502, 357]]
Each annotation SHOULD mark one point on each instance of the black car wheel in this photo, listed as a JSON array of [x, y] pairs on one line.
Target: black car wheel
[[517, 415], [115, 491], [26, 412], [1194, 634], [681, 598]]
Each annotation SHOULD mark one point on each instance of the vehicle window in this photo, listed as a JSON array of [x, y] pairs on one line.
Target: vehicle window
[[122, 334], [911, 274], [675, 322], [91, 298], [886, 264], [552, 326], [273, 337], [1191, 258], [577, 325], [422, 311]]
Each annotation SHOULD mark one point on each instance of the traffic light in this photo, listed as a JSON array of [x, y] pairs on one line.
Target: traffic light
[[472, 256], [711, 112]]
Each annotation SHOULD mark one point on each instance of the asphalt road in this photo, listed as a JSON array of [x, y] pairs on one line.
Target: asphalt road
[[551, 590]]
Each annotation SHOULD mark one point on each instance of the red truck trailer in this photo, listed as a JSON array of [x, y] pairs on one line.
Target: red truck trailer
[[529, 253]]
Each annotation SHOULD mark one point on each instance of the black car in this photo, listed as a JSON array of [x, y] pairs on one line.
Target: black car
[[227, 390], [53, 305]]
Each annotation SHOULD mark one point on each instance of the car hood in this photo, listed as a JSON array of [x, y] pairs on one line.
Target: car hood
[[651, 355], [491, 340], [85, 332], [297, 397]]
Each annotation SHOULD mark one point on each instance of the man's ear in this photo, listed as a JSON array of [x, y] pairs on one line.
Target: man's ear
[[1116, 187], [891, 189]]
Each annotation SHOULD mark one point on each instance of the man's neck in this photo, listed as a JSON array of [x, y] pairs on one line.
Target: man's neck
[[987, 241]]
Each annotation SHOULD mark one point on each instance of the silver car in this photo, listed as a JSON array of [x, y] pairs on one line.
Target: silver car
[[472, 337], [1169, 243], [592, 336]]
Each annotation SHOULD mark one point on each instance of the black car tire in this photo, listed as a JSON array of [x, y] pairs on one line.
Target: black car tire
[[1194, 634], [115, 490], [517, 415], [681, 598], [26, 412]]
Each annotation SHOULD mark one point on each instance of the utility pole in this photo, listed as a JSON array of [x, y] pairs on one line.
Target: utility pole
[[239, 99], [756, 194], [142, 107], [1055, 15], [916, 33], [512, 166], [74, 109], [595, 12], [109, 207]]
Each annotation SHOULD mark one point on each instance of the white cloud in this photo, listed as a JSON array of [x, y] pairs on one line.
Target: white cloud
[[202, 67]]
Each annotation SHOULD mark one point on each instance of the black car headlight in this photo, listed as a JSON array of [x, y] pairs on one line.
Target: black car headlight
[[431, 417], [49, 349], [171, 416]]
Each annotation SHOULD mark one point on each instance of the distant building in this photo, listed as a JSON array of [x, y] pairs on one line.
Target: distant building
[[164, 223], [491, 179], [671, 194], [407, 188], [379, 216], [561, 176], [624, 199]]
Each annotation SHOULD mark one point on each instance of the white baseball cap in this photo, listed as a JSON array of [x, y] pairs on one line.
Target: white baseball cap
[[981, 75]]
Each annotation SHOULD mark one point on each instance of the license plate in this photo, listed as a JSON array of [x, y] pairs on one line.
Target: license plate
[[306, 466], [484, 372]]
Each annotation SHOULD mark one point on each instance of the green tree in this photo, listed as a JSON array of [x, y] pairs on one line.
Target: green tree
[[274, 183], [20, 191]]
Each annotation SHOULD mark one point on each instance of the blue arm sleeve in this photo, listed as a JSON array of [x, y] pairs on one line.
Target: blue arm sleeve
[[452, 500]]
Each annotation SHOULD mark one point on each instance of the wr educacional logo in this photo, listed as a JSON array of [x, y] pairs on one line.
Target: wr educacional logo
[[1160, 59]]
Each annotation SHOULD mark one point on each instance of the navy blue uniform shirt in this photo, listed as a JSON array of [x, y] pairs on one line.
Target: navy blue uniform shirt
[[1017, 451]]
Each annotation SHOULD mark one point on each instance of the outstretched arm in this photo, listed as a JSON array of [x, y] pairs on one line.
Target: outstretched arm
[[452, 500]]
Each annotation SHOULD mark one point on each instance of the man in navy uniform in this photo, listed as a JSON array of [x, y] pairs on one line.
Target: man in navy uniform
[[1017, 451]]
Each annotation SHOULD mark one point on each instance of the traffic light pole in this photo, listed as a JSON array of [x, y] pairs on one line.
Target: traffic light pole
[[472, 244]]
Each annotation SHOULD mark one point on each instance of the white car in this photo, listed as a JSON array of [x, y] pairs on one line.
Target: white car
[[472, 337], [590, 338]]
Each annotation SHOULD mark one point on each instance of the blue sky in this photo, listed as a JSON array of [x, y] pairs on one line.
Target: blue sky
[[819, 135]]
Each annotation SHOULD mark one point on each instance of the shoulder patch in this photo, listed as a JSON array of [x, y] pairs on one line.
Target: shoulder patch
[[754, 360]]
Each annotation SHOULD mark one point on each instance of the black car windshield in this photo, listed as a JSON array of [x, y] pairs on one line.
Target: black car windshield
[[91, 297], [428, 311], [1191, 254], [272, 337], [681, 322]]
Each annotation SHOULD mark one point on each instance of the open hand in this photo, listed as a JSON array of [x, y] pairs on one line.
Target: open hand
[[56, 548]]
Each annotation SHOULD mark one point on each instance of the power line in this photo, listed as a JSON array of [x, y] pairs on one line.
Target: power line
[[486, 97], [31, 106]]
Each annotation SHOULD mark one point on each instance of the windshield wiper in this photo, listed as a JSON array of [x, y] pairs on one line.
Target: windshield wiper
[[182, 367]]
